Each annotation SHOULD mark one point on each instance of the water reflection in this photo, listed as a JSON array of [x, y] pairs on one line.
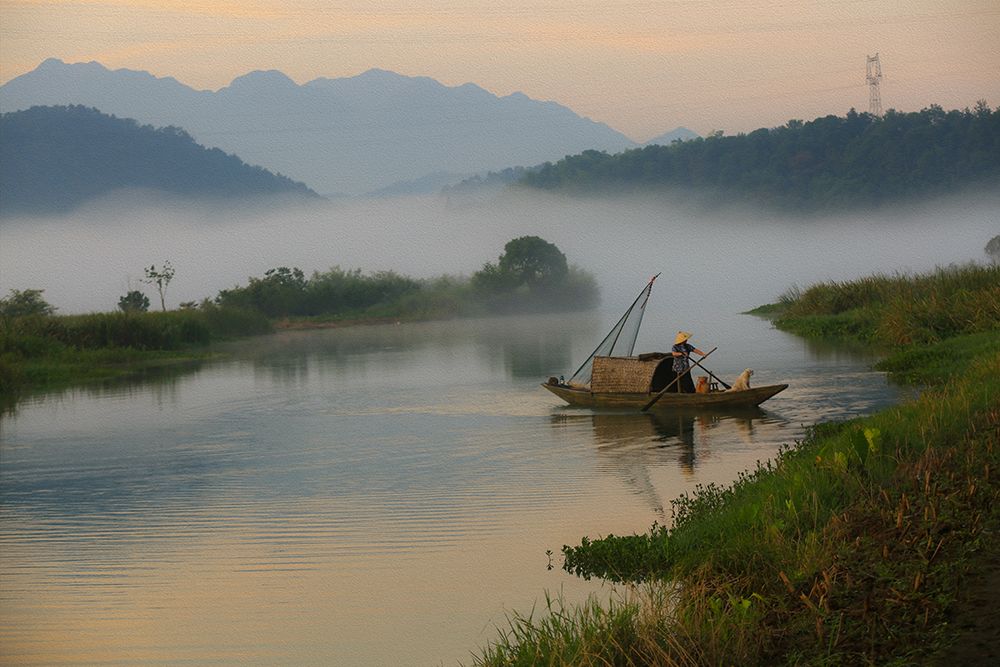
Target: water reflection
[[530, 347], [161, 381], [631, 445]]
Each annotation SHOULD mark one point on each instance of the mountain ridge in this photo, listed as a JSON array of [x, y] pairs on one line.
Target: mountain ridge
[[352, 134], [59, 157]]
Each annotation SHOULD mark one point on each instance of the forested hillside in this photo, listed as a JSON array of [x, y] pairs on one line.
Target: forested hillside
[[55, 158], [831, 162]]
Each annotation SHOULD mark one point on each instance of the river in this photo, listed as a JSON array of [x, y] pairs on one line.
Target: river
[[379, 495], [388, 495]]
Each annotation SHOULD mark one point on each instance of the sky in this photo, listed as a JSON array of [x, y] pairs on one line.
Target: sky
[[642, 67]]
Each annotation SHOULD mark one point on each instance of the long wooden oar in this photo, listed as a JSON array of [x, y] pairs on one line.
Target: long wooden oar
[[667, 388], [719, 380]]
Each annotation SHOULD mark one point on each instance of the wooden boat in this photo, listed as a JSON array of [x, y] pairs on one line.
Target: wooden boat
[[631, 382], [607, 380]]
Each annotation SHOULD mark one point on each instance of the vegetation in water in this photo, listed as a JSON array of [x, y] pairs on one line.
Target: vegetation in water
[[825, 164], [848, 548]]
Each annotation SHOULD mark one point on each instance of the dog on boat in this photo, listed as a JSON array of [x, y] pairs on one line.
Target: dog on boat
[[742, 383]]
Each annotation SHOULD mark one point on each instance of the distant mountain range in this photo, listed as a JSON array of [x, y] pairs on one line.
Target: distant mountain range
[[350, 135], [56, 158]]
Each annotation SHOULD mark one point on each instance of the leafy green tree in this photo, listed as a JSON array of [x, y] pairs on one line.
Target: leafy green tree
[[161, 279], [993, 249], [492, 280], [533, 274], [533, 261], [25, 302], [279, 293], [134, 302]]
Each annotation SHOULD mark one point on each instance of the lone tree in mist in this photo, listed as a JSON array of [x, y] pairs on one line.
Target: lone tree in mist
[[533, 261], [533, 273], [530, 261], [161, 278], [134, 302], [993, 249]]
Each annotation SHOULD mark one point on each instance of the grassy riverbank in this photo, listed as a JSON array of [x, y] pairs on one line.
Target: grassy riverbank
[[48, 351], [851, 547]]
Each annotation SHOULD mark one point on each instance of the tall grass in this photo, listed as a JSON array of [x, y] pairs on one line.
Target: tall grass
[[899, 309], [41, 350], [141, 331]]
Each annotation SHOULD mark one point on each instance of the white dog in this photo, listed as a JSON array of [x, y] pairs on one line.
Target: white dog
[[743, 381]]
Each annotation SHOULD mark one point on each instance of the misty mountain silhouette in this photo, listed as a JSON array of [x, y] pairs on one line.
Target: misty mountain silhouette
[[346, 135], [55, 158], [676, 134]]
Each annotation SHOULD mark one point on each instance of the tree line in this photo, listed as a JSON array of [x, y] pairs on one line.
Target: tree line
[[531, 274], [828, 163]]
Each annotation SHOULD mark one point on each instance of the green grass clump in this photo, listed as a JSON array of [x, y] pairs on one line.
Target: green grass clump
[[41, 351], [935, 363], [896, 310], [589, 634]]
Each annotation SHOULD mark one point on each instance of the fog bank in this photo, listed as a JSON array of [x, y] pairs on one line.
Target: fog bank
[[734, 259]]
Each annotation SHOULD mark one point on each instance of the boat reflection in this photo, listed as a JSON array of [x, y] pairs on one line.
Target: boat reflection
[[632, 444]]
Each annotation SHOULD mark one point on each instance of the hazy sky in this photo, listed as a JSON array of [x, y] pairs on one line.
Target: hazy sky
[[642, 67]]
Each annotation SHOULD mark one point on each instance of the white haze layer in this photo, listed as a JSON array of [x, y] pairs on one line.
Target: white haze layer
[[731, 259]]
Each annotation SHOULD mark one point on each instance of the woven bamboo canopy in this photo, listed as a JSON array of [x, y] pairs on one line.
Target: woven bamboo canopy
[[632, 375]]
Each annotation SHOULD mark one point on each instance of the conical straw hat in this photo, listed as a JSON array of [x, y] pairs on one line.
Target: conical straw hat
[[681, 337]]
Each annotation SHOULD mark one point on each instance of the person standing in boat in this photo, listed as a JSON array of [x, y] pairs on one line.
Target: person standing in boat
[[681, 351]]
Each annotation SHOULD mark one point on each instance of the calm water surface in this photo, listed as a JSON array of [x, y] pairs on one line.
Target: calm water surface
[[370, 496]]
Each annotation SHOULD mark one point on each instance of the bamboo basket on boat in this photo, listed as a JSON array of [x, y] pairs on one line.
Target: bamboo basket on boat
[[628, 375]]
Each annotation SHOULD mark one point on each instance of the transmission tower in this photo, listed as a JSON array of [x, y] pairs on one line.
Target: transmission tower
[[873, 78]]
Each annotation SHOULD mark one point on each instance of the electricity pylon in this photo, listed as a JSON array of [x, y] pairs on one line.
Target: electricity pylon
[[873, 78]]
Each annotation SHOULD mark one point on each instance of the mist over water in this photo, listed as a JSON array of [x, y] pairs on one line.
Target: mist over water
[[735, 258]]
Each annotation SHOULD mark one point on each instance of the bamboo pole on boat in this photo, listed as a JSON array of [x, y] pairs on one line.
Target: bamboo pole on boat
[[676, 379]]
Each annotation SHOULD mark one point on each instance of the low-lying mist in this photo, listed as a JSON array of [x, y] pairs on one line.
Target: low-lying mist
[[732, 259]]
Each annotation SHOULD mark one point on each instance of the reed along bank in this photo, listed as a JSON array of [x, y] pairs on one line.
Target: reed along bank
[[41, 352], [872, 541]]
